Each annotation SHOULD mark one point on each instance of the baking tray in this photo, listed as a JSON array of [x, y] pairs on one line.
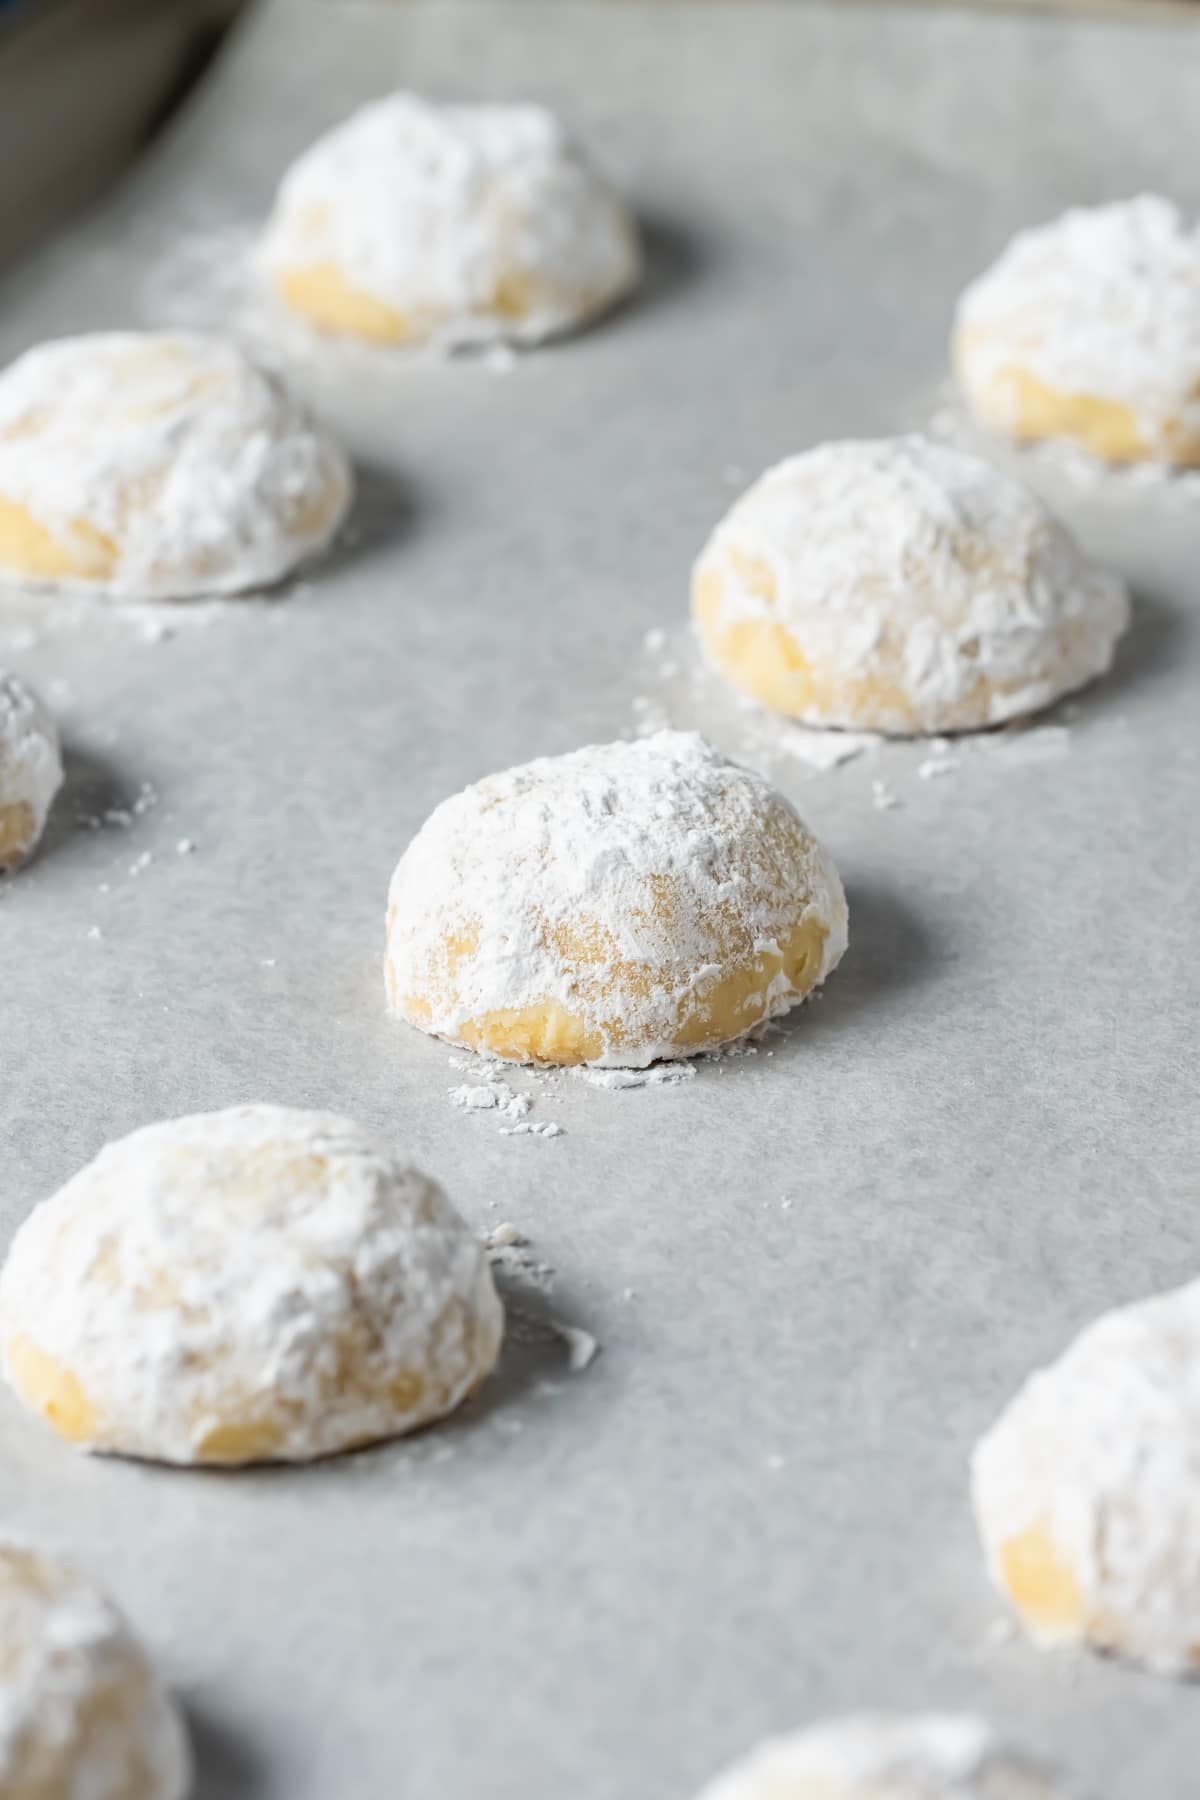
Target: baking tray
[[814, 1272]]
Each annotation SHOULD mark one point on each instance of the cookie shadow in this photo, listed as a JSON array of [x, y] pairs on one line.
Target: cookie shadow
[[1149, 648], [94, 793], [226, 1766], [674, 259], [385, 512], [892, 952]]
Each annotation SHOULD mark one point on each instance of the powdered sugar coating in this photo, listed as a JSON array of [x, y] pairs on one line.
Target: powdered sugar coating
[[1102, 303], [468, 224], [251, 1285], [897, 585], [158, 466], [658, 897], [879, 1756], [1087, 1488], [31, 770], [82, 1714]]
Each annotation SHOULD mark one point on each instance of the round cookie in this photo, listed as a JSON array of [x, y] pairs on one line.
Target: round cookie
[[83, 1716], [416, 223], [878, 1756], [627, 902], [1088, 330], [1087, 1489], [254, 1285], [31, 771], [898, 586], [156, 466]]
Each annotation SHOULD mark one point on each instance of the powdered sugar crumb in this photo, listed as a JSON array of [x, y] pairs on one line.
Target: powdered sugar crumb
[[658, 1075], [582, 1347]]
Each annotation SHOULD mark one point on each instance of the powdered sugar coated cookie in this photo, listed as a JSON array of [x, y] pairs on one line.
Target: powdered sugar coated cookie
[[1088, 329], [896, 585], [254, 1285], [31, 771], [1087, 1489], [419, 223], [879, 1756], [152, 466], [626, 902], [83, 1716]]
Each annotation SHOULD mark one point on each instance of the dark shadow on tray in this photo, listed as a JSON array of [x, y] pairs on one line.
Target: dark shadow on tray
[[674, 258], [384, 512], [226, 1767], [1148, 649], [94, 795], [892, 950]]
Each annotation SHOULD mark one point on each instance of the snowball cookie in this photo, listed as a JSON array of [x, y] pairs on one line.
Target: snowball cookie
[[898, 586], [1087, 1490], [875, 1756], [30, 771], [1089, 329], [83, 1716], [415, 223], [626, 902], [254, 1285], [155, 466]]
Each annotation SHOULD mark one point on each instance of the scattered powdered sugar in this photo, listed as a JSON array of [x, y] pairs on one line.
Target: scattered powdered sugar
[[882, 1756], [496, 1095], [657, 1075], [924, 589], [582, 1347], [821, 748], [278, 1245], [78, 1690], [1096, 1461], [688, 693], [510, 1251], [1103, 302], [460, 224], [167, 465]]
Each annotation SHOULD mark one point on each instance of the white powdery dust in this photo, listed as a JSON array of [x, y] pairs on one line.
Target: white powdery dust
[[582, 1347], [496, 1095], [618, 1080]]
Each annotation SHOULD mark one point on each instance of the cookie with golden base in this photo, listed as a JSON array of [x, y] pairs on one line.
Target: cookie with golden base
[[414, 223], [1087, 1489], [881, 1756], [83, 1716], [899, 586], [158, 466], [256, 1285], [31, 771], [626, 902], [1088, 330]]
